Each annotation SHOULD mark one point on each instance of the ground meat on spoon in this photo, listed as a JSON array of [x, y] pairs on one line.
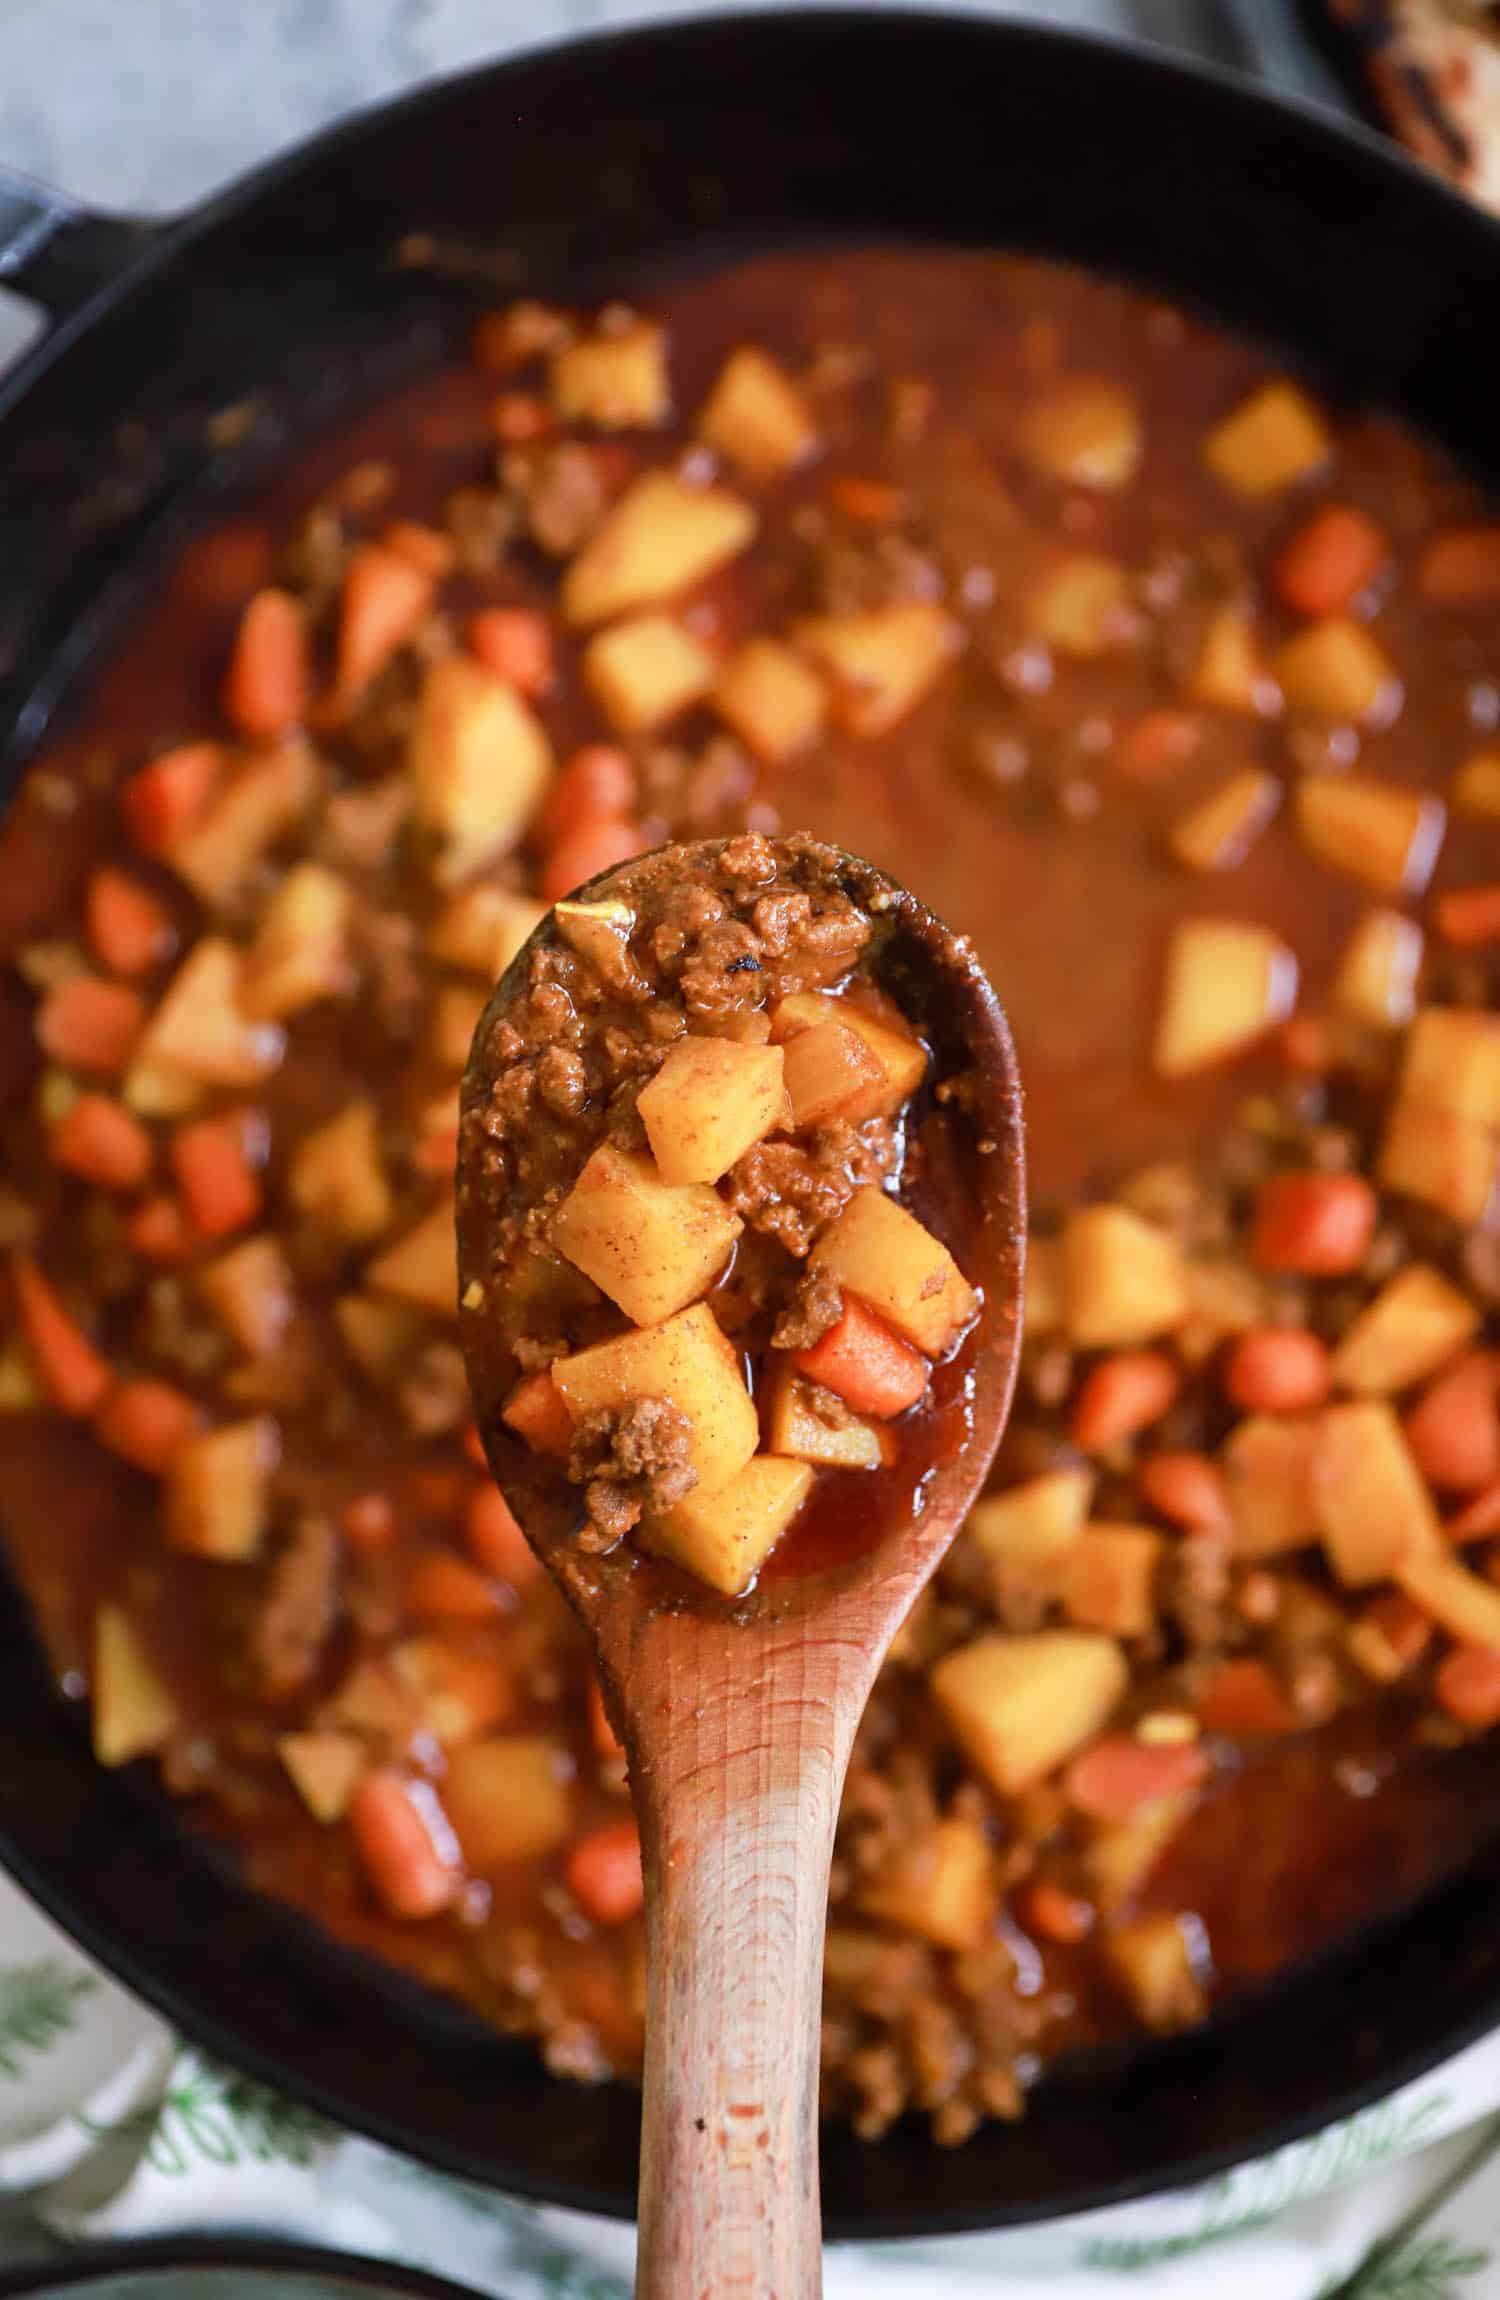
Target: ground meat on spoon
[[630, 1459]]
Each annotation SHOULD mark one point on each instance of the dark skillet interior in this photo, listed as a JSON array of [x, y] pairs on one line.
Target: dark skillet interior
[[598, 166]]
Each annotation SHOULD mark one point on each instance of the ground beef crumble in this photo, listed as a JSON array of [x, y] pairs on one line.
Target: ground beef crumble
[[630, 1459]]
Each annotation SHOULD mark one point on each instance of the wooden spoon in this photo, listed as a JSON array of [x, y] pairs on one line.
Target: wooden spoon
[[738, 1716]]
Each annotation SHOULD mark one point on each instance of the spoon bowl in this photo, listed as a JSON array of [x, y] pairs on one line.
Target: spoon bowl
[[738, 1715]]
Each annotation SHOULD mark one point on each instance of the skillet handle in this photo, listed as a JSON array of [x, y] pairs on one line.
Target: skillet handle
[[58, 254]]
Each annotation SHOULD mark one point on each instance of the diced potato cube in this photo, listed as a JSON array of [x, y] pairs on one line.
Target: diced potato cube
[[798, 1430], [324, 1768], [133, 1710], [1083, 431], [458, 1690], [940, 1885], [1268, 1461], [1335, 670], [422, 1267], [481, 928], [756, 417], [1219, 832], [199, 1033], [662, 537], [1027, 1533], [1270, 440], [1468, 1608], [1079, 603], [455, 1017], [1123, 1279], [1120, 1855], [1108, 1579], [615, 380], [379, 1336], [725, 1536], [1043, 1308], [646, 671], [1445, 1161], [886, 1033], [247, 815], [882, 661], [1385, 834], [1021, 1705], [1227, 983], [686, 1360], [509, 1799], [1376, 982], [480, 762], [1475, 788], [1230, 673], [218, 1490], [651, 1246], [709, 1103], [1452, 1064], [898, 1268], [1152, 1960], [1373, 1508], [337, 1176], [771, 700], [1225, 1295], [250, 1290], [1414, 1324], [301, 950], [829, 1072]]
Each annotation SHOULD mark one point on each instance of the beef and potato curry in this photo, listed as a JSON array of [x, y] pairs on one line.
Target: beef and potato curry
[[1174, 686]]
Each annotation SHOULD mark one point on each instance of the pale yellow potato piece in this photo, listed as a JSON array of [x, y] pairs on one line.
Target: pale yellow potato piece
[[1124, 1280], [1270, 440], [1108, 1579], [1227, 983], [337, 1177], [939, 1885], [218, 1490], [1079, 603], [645, 671], [1335, 670], [615, 380], [1452, 1064], [301, 949], [1376, 982], [1230, 673], [769, 698], [422, 1267], [830, 1072], [1153, 1964], [1021, 1705], [898, 1268], [725, 1536], [1468, 1608], [199, 1033], [690, 1363], [509, 1798], [247, 815], [324, 1768], [883, 661], [134, 1712], [899, 1052], [1218, 833], [379, 1336], [1414, 1325], [1372, 1504], [481, 928], [756, 417], [480, 762], [1445, 1161], [651, 1246], [455, 1018], [600, 932], [1119, 1856], [709, 1103], [458, 1690], [1026, 1534], [1475, 788], [1042, 1310], [1385, 834], [250, 1290], [662, 537], [801, 1434], [1267, 1463], [1083, 431]]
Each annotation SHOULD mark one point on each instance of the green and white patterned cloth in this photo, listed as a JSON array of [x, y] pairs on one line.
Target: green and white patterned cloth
[[112, 2127]]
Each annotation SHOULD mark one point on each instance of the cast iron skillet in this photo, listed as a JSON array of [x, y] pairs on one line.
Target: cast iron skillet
[[594, 166]]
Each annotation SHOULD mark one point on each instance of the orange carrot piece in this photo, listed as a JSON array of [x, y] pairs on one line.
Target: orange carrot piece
[[64, 1360], [516, 644], [597, 780], [1307, 1045], [1467, 1685], [1054, 1915], [593, 847], [606, 1740], [1313, 1225], [387, 596], [1478, 1517], [604, 1873], [369, 1521], [163, 800], [128, 928], [1118, 1776], [1158, 744], [90, 1024], [1328, 562], [102, 1143], [865, 1364], [157, 1231], [1469, 917], [220, 1189], [443, 1588], [535, 1411], [496, 1542], [268, 685], [473, 1445], [1122, 1396], [146, 1423], [1462, 568], [1454, 1427], [1243, 1697], [869, 502], [436, 1152], [405, 1843], [426, 547], [1277, 1370], [1188, 1489], [519, 416]]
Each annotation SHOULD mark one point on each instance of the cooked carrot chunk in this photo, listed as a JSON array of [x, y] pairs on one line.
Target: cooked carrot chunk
[[66, 1363], [1277, 1370], [1329, 561], [443, 1588], [1242, 1697], [164, 799], [103, 1143], [1315, 1225], [158, 1231], [1462, 567], [90, 1024], [1468, 1685], [516, 644], [1469, 917], [129, 929], [1454, 1427], [409, 1851], [496, 1541], [596, 844], [1119, 1776], [1188, 1489], [220, 1190], [1123, 1395], [604, 1873], [598, 780], [535, 1411], [865, 1364], [268, 683], [387, 597], [146, 1422], [1055, 1915]]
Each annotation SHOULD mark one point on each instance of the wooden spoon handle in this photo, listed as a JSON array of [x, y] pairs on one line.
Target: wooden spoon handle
[[737, 1816]]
